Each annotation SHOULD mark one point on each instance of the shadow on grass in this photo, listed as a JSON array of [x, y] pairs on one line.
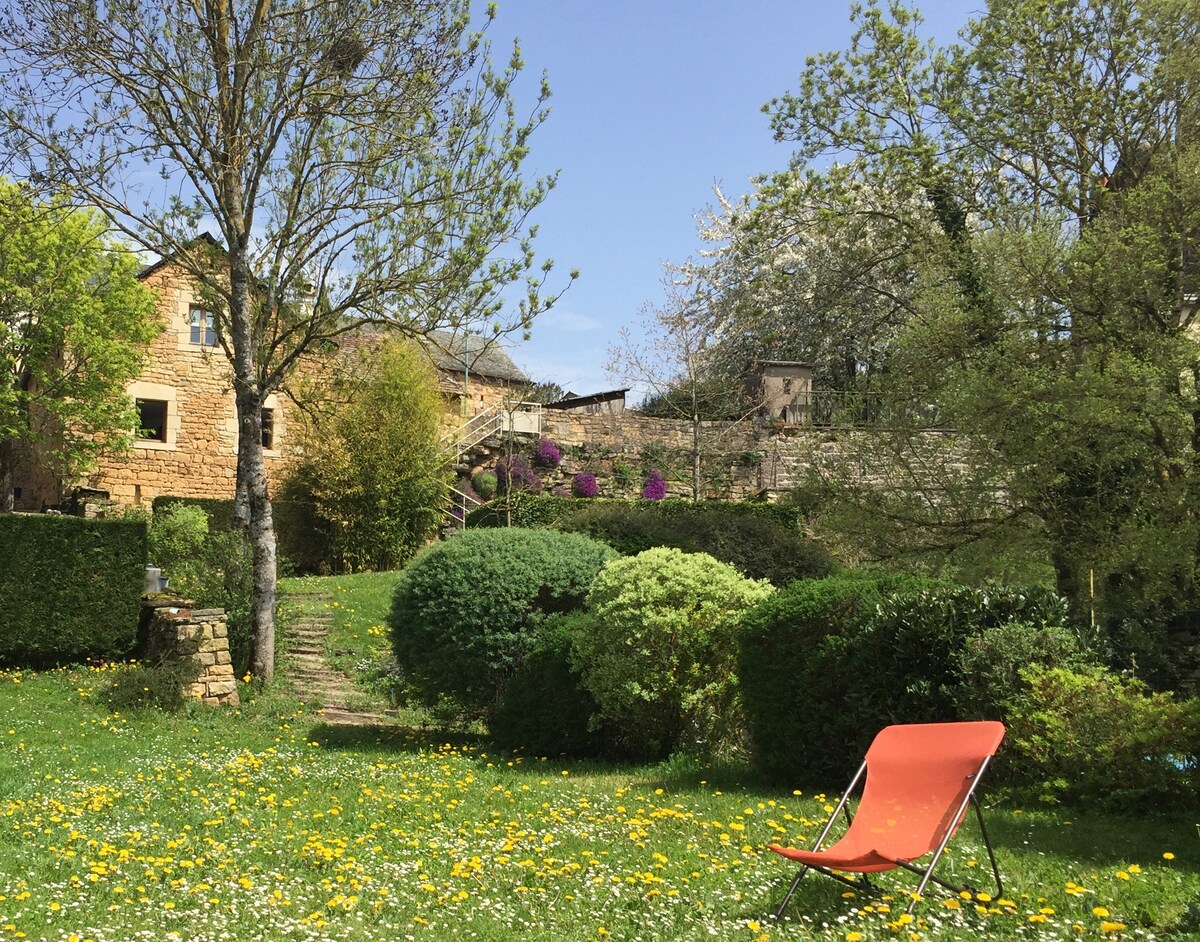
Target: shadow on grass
[[392, 738]]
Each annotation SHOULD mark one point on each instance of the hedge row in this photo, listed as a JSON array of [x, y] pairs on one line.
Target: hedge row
[[303, 543], [69, 588], [762, 541], [548, 510]]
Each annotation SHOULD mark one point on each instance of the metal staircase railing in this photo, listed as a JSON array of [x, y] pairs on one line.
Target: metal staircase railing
[[520, 418]]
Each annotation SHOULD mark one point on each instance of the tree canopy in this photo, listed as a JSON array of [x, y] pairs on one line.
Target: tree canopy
[[1004, 227], [74, 325], [355, 161]]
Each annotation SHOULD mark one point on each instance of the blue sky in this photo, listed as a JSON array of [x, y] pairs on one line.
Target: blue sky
[[654, 102]]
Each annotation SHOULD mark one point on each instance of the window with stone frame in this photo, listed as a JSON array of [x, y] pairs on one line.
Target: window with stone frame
[[202, 328], [268, 428], [152, 420]]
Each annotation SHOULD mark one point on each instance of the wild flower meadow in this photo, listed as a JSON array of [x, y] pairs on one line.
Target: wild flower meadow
[[264, 824]]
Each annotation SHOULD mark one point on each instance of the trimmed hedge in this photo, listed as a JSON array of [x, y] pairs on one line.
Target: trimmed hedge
[[825, 664], [69, 588], [793, 649], [548, 510], [303, 543], [468, 611], [762, 541]]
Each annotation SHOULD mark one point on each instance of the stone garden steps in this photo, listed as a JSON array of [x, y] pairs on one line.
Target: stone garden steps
[[305, 665]]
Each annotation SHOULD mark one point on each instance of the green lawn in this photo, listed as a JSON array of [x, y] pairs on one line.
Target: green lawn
[[261, 823]]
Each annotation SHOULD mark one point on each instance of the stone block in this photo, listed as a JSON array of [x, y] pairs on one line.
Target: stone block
[[220, 670], [195, 691], [220, 629], [220, 688], [209, 646], [222, 657], [188, 648], [207, 659]]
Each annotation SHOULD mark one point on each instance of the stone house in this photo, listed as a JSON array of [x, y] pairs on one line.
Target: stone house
[[187, 413]]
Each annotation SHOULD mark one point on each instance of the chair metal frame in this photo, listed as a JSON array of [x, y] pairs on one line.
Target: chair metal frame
[[926, 874]]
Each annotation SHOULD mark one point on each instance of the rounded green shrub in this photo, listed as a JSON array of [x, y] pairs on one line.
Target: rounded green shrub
[[467, 611], [657, 650], [544, 709], [1099, 738], [484, 483], [795, 650]]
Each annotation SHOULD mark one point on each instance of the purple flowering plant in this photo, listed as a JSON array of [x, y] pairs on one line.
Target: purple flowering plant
[[517, 475], [584, 485], [548, 455], [655, 487]]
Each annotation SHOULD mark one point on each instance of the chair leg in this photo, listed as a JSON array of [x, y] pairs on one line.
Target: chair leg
[[787, 897], [988, 844]]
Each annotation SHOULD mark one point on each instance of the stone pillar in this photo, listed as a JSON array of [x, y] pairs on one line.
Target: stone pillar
[[176, 632]]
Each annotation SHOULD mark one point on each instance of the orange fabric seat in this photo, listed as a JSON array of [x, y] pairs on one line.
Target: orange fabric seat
[[919, 781]]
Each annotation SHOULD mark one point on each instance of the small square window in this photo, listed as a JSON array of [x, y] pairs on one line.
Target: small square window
[[201, 327], [268, 428], [152, 420]]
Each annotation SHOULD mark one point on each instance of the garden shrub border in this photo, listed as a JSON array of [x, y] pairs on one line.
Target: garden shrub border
[[69, 588]]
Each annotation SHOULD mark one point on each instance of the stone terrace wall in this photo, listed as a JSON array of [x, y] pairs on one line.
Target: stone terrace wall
[[746, 457]]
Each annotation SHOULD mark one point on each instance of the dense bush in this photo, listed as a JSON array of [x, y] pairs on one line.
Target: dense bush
[[210, 566], [1099, 738], [657, 650], [69, 588], [795, 654], [152, 686], [484, 483], [544, 708], [989, 665], [913, 642], [466, 612]]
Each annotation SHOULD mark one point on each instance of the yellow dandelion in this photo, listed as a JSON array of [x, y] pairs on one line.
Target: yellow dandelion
[[1111, 927], [1100, 911], [1168, 856]]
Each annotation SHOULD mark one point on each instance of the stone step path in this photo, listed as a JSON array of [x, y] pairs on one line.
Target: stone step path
[[305, 665]]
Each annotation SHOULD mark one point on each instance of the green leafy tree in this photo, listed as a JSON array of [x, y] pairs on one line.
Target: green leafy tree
[[356, 161], [74, 325], [374, 465], [1042, 206]]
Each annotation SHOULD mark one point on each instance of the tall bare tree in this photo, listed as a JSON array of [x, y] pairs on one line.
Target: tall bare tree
[[358, 162]]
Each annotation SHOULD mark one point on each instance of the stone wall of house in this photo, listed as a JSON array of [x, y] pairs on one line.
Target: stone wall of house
[[199, 456], [177, 633]]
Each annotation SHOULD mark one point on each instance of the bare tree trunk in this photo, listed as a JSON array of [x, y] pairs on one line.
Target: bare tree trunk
[[695, 457], [7, 460]]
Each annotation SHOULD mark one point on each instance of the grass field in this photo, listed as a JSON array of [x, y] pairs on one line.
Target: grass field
[[261, 823]]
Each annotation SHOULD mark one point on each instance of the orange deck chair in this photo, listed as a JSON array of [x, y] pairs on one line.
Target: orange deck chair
[[919, 780]]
